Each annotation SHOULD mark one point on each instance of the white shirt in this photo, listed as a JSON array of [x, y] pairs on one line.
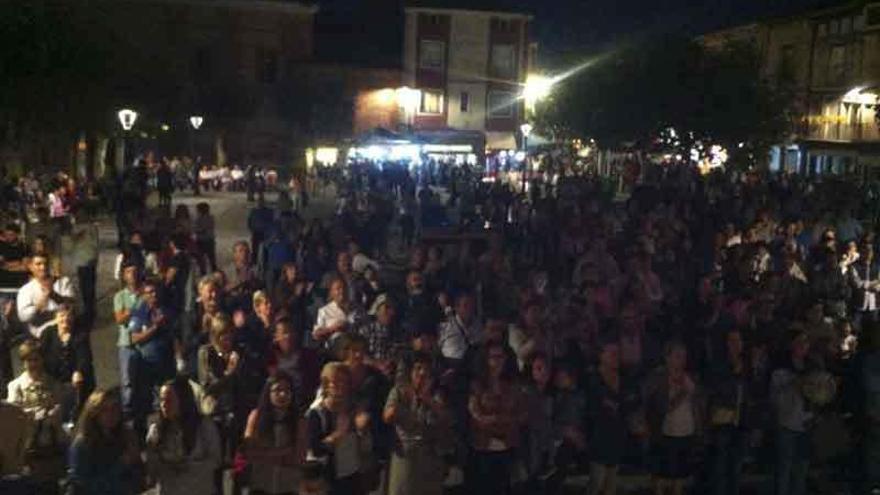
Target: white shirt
[[456, 338], [331, 314], [185, 474], [26, 303]]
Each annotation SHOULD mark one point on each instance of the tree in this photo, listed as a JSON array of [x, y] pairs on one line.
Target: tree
[[631, 95]]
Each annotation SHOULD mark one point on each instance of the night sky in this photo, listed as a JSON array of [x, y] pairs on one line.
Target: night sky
[[561, 26]]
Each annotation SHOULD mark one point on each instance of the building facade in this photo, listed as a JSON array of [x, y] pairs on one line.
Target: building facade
[[469, 67], [830, 62]]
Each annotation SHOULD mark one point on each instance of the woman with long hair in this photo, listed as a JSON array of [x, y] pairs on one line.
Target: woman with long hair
[[183, 448], [274, 438], [421, 420], [496, 419], [104, 454]]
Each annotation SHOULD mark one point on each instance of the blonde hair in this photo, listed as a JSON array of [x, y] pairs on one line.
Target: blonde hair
[[260, 297], [219, 326]]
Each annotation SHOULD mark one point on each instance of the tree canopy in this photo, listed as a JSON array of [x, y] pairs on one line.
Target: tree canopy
[[632, 95]]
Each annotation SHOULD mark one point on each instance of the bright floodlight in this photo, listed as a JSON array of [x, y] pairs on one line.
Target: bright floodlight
[[536, 88], [859, 96], [196, 121], [408, 98], [526, 129], [127, 118]]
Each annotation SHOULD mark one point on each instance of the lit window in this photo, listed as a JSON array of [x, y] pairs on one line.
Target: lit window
[[465, 102], [431, 54], [501, 104], [432, 102], [503, 61]]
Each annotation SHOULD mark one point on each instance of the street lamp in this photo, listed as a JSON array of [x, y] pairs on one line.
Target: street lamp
[[526, 129], [537, 87], [196, 122], [127, 118]]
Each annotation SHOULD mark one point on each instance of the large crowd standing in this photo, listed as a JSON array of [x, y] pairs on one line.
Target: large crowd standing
[[703, 325]]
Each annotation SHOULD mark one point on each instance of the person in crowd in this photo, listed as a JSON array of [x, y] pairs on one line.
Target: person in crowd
[[381, 334], [133, 253], [337, 317], [338, 432], [259, 223], [13, 257], [539, 454], [673, 411], [42, 398], [865, 280], [86, 248], [419, 413], [124, 303], [104, 458], [419, 301], [42, 245], [39, 299], [461, 331], [182, 447], [67, 357], [275, 438], [607, 419], [794, 415], [301, 364], [495, 420], [569, 411], [220, 373], [206, 243], [293, 294], [165, 183], [16, 430], [529, 336], [244, 280], [730, 398], [152, 337]]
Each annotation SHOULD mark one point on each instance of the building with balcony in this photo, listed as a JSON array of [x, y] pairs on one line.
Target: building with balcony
[[830, 62], [469, 67]]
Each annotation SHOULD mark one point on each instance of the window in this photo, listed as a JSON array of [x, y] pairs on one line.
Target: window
[[834, 27], [786, 69], [267, 65], [465, 102], [501, 104], [431, 54], [837, 65], [202, 65], [872, 15], [503, 61], [432, 102], [823, 30], [846, 25]]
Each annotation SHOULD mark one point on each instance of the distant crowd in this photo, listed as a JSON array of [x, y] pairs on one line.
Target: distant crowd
[[472, 338]]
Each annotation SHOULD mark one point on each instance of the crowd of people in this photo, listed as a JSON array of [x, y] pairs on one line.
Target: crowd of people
[[703, 325]]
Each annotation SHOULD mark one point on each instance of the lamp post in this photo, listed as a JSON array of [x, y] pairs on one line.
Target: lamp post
[[195, 121], [526, 129], [127, 118]]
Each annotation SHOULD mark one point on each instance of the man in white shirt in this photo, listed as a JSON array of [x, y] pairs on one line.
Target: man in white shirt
[[461, 330], [336, 317], [40, 298]]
